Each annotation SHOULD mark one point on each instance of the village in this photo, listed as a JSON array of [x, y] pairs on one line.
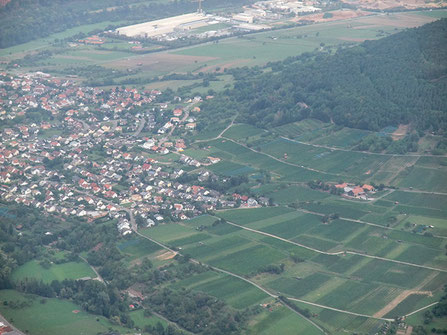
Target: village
[[83, 152]]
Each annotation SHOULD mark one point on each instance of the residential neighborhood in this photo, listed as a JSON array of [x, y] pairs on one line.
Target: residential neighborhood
[[78, 151]]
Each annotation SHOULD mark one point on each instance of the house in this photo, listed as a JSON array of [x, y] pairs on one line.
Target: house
[[356, 192], [213, 160], [191, 125], [368, 188], [150, 223]]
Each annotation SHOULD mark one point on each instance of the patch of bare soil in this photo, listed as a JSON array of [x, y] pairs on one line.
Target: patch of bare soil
[[405, 294], [336, 16], [388, 4], [398, 20], [400, 132], [166, 255], [401, 297]]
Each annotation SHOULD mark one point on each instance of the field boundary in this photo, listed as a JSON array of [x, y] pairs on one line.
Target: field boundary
[[343, 252], [276, 296]]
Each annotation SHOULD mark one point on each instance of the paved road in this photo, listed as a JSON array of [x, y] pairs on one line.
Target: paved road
[[98, 276], [412, 190], [221, 133], [140, 127], [15, 330], [421, 309]]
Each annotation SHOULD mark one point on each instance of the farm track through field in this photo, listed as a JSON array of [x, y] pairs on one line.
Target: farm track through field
[[359, 151], [324, 172], [281, 161], [360, 221], [421, 309], [221, 133], [98, 276], [338, 252], [290, 298], [135, 229]]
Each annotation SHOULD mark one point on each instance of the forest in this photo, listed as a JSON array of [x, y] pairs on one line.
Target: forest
[[396, 80]]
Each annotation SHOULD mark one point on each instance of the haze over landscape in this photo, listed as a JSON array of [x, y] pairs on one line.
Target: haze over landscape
[[223, 167]]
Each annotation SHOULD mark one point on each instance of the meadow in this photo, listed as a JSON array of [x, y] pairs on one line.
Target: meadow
[[50, 316], [70, 270]]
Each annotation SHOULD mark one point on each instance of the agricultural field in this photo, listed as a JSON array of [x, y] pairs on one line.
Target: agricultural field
[[233, 291], [384, 257], [351, 282], [258, 49], [280, 320], [253, 49], [138, 247]]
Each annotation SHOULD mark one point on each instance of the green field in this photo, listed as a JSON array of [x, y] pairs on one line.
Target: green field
[[248, 260], [240, 131], [70, 270], [426, 179], [141, 321], [45, 316], [298, 287], [138, 247], [235, 292], [251, 215], [257, 49], [281, 321]]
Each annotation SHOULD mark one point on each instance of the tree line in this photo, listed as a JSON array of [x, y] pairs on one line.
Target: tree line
[[399, 79]]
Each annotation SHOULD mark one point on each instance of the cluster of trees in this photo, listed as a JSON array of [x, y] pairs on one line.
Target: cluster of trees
[[158, 329], [306, 312], [93, 296], [400, 79], [321, 185], [197, 312], [376, 143], [438, 311], [24, 20], [272, 268]]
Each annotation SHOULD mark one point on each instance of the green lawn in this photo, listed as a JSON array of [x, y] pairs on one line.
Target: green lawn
[[46, 316], [70, 270], [141, 321]]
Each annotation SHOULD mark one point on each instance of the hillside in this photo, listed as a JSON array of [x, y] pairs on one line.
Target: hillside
[[400, 79]]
